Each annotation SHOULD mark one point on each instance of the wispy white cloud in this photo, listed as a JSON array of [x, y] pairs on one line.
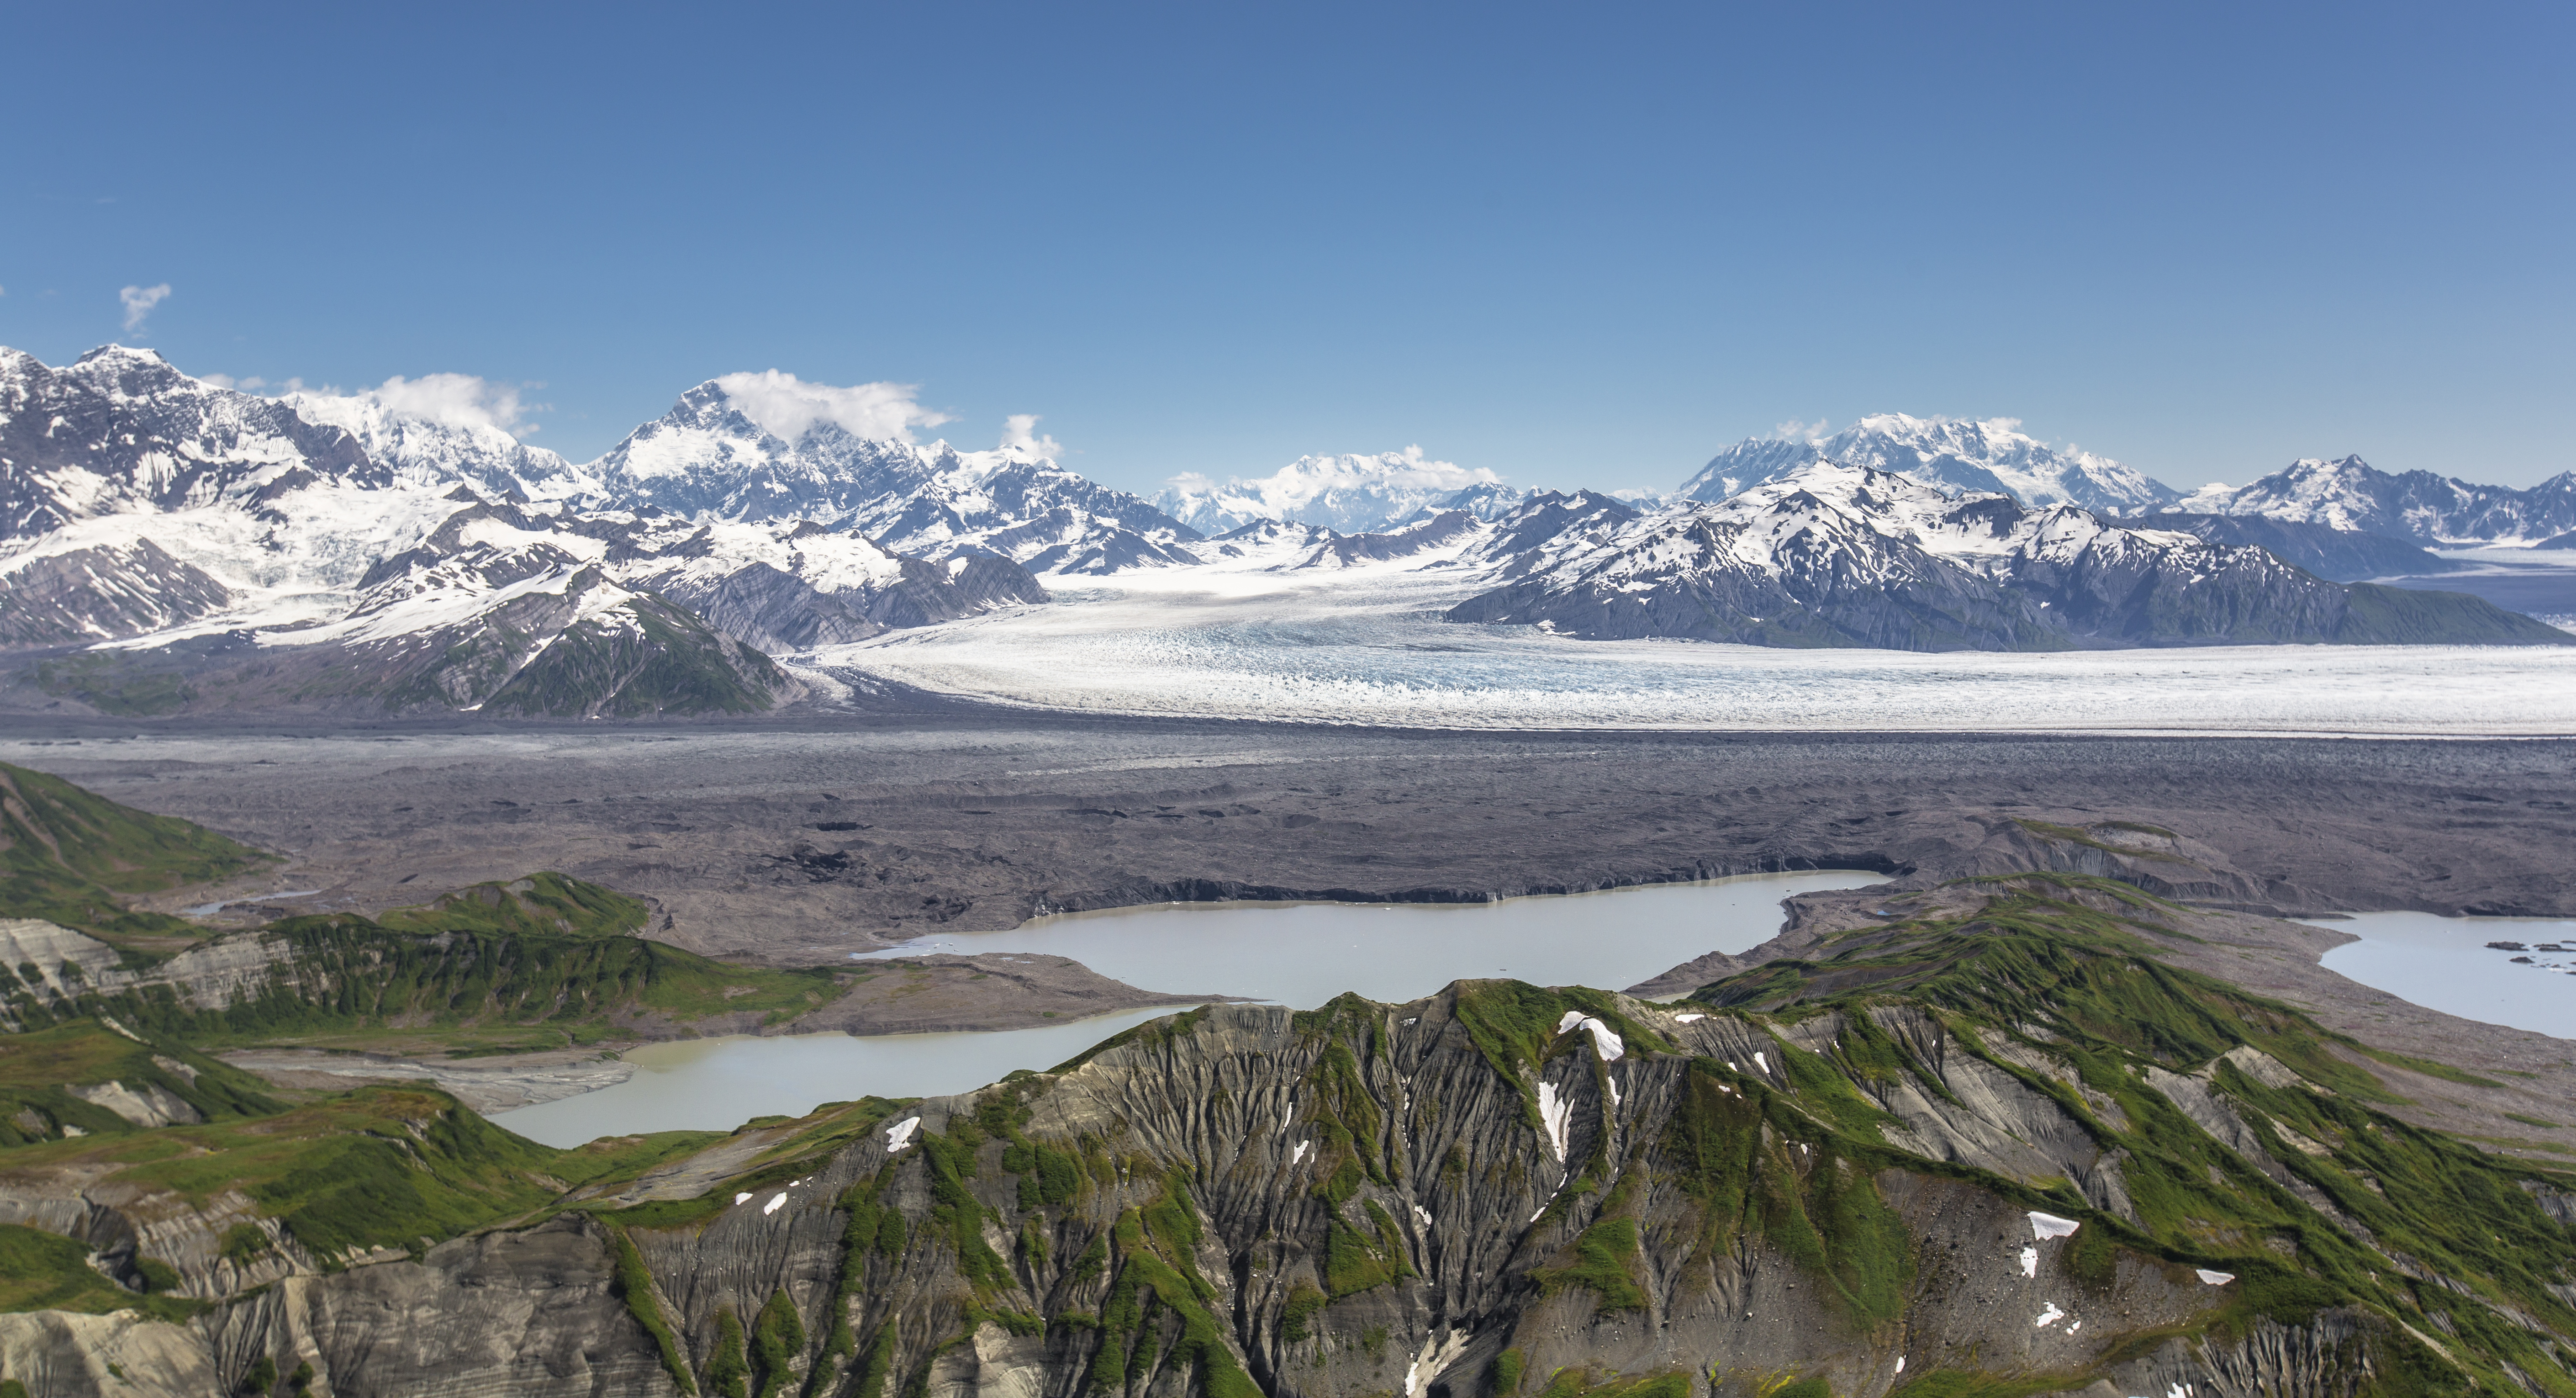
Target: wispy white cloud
[[1020, 433], [139, 301], [1796, 431], [458, 400], [788, 407], [1292, 488]]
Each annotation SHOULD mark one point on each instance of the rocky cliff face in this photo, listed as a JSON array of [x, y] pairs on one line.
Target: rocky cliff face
[[1990, 1147]]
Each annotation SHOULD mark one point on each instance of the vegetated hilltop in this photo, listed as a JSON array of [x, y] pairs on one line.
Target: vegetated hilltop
[[1995, 1145], [537, 962], [67, 854], [540, 962]]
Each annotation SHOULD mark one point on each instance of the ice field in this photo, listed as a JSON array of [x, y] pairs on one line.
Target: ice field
[[1365, 646]]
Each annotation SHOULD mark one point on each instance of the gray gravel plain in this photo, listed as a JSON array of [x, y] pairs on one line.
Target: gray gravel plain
[[798, 842]]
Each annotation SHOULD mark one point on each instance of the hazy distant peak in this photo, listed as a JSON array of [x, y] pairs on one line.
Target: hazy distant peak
[[1350, 493], [1990, 455]]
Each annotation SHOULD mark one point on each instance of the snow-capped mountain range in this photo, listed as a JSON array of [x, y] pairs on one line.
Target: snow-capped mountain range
[[1837, 555], [2350, 493], [436, 450], [365, 549], [1351, 494], [1993, 456], [326, 549]]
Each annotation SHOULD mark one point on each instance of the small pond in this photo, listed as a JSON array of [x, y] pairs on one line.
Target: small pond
[[2445, 964], [1298, 954]]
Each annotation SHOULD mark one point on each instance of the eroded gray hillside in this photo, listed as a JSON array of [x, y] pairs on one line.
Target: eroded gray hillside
[[1992, 1146]]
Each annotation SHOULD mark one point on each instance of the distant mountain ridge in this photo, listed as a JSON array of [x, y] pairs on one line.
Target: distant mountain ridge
[[1993, 456], [1350, 494], [175, 545], [708, 459], [1832, 555], [2350, 493], [326, 551]]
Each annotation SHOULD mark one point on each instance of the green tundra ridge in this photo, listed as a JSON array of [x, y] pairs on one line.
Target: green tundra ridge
[[1085, 1236]]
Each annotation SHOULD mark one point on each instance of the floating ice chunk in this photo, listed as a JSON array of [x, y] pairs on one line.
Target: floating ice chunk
[[1300, 1153], [740, 1198], [2030, 1262], [2210, 1278], [2048, 1317], [1693, 1019], [773, 1205], [899, 1135], [2047, 1226], [1558, 1115]]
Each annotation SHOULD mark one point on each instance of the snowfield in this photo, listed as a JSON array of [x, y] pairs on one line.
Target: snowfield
[[1366, 646]]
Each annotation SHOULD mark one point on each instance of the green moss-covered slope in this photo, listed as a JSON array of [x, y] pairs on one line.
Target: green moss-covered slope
[[65, 853], [56, 1077], [542, 904]]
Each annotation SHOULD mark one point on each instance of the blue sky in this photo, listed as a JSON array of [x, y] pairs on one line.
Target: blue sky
[[1579, 245]]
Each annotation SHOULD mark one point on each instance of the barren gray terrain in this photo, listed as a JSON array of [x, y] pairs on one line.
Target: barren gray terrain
[[794, 845]]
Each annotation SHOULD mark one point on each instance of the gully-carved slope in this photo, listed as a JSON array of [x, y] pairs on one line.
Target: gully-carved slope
[[1994, 1145]]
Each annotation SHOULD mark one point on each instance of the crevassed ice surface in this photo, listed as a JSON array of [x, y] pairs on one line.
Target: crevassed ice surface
[[1367, 646]]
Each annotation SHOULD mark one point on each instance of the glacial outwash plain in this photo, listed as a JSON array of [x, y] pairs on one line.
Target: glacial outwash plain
[[367, 778]]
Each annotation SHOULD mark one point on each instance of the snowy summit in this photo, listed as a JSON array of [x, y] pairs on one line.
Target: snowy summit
[[1993, 456], [1349, 493]]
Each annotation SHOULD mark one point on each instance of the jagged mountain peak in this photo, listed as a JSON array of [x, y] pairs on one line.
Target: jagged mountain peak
[[760, 447], [2351, 494], [442, 445], [121, 432], [1989, 455], [1832, 554]]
